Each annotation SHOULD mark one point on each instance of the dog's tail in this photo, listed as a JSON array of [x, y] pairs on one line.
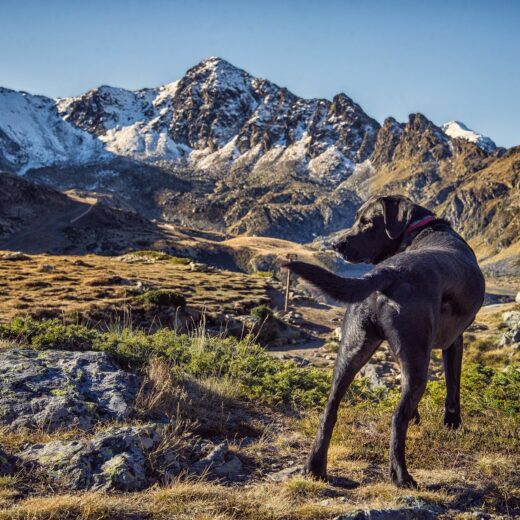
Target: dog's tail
[[347, 290]]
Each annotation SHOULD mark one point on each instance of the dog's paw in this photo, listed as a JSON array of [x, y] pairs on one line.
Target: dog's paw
[[452, 421], [315, 474], [403, 481]]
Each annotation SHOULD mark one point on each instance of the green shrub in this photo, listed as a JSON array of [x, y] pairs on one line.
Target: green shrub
[[49, 334], [483, 388], [164, 298], [157, 255], [255, 373], [262, 312], [162, 256]]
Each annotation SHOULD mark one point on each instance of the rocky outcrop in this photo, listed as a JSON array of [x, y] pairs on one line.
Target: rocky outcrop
[[57, 389], [511, 321], [113, 460]]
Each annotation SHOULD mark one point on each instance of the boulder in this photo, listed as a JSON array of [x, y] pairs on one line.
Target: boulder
[[112, 460], [53, 389]]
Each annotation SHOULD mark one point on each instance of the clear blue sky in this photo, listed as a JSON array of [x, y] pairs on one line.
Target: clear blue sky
[[448, 59]]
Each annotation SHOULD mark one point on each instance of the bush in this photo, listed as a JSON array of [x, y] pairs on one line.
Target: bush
[[164, 298], [49, 334], [483, 388], [262, 312], [161, 256]]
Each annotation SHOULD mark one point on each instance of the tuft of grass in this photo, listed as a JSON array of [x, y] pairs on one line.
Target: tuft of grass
[[263, 274], [164, 298], [305, 487]]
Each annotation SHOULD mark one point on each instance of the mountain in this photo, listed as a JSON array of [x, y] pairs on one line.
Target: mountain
[[456, 129], [222, 150]]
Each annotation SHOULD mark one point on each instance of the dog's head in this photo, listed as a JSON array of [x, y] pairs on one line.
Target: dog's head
[[378, 229]]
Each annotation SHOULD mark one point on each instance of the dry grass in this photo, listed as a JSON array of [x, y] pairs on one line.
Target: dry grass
[[89, 286]]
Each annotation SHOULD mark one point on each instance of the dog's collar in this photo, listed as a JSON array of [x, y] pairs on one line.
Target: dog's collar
[[418, 224]]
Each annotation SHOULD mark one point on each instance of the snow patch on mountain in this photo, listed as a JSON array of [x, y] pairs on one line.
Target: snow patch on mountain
[[39, 137], [456, 129]]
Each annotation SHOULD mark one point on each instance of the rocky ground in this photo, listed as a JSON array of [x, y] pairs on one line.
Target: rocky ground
[[113, 440]]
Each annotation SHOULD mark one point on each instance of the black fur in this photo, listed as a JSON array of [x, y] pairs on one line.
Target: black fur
[[424, 291]]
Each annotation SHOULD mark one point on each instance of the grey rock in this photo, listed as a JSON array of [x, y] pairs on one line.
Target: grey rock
[[382, 373], [112, 460], [286, 473], [230, 469], [18, 255], [511, 319], [511, 337], [53, 389], [419, 512], [220, 462]]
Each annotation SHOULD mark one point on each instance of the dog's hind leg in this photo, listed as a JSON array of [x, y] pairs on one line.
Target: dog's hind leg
[[414, 375], [357, 346], [452, 360]]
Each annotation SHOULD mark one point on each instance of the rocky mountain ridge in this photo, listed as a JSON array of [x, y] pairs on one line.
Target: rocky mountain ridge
[[220, 149]]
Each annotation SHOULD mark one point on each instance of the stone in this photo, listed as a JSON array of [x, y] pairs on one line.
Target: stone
[[112, 460], [403, 513], [286, 473], [517, 298], [200, 267], [18, 255], [47, 268], [220, 462], [54, 389], [511, 337], [382, 373], [511, 319], [338, 333], [477, 327]]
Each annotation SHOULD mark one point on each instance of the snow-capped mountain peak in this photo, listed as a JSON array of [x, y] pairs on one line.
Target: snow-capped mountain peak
[[456, 129]]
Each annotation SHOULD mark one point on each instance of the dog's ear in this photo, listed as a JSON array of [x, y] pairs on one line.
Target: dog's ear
[[397, 214]]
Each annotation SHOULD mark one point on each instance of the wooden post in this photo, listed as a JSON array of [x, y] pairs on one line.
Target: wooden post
[[291, 257]]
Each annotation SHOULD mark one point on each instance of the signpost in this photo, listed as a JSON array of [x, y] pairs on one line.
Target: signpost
[[290, 257]]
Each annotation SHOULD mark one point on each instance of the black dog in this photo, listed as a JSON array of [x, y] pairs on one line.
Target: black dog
[[424, 292]]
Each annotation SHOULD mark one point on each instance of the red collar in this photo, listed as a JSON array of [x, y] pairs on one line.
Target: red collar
[[420, 223]]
